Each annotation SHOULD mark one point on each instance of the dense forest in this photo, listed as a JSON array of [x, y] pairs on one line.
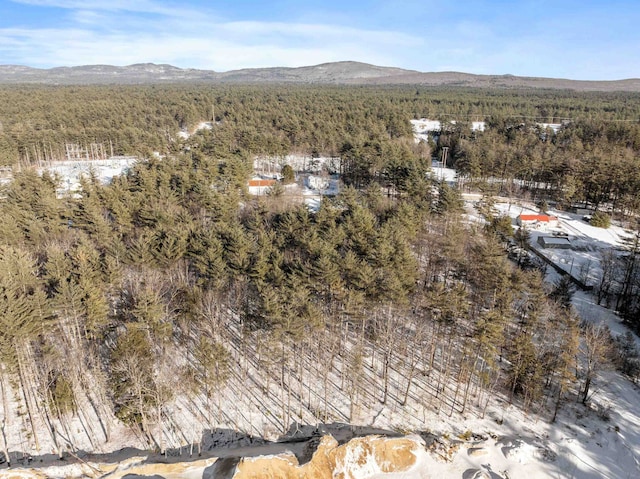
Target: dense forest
[[593, 159], [171, 289], [36, 121]]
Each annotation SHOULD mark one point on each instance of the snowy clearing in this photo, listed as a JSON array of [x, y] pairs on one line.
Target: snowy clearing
[[423, 127], [70, 172]]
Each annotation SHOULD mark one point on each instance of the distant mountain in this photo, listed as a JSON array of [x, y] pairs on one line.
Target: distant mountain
[[352, 73], [338, 72], [103, 74]]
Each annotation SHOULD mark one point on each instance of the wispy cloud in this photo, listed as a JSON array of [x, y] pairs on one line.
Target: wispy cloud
[[220, 47], [144, 6], [188, 37]]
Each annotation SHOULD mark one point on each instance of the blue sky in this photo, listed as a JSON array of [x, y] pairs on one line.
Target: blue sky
[[586, 39]]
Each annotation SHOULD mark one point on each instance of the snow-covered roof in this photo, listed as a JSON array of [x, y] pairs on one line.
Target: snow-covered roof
[[554, 240]]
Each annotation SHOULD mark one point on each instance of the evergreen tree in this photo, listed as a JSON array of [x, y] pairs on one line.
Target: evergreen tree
[[562, 291], [288, 175]]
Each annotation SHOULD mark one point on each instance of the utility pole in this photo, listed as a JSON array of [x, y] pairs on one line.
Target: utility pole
[[571, 268], [445, 149]]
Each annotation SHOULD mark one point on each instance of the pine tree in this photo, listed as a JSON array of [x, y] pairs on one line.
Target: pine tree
[[522, 238], [132, 384], [562, 291], [565, 356], [212, 371], [288, 175], [449, 200], [24, 313]]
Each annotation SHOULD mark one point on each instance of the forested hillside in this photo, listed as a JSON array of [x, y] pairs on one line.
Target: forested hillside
[[171, 293]]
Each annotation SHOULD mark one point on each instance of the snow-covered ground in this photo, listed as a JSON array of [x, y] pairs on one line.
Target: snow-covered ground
[[583, 260], [506, 444], [70, 172], [602, 441], [423, 127], [299, 163], [316, 187], [449, 175], [203, 125], [554, 126]]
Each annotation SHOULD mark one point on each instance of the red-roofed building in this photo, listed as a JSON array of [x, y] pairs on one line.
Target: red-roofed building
[[259, 186], [527, 220], [260, 183]]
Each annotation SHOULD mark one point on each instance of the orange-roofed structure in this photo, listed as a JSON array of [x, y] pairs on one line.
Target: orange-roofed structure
[[261, 183], [537, 219], [259, 186]]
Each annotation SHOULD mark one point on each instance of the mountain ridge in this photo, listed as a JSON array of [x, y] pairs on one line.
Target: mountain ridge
[[336, 73]]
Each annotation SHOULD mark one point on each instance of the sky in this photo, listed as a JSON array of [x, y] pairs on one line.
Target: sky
[[576, 39]]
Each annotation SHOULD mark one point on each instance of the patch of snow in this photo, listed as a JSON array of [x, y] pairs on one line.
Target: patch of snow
[[478, 126], [553, 126], [422, 127], [203, 125], [299, 163], [71, 171], [448, 175]]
